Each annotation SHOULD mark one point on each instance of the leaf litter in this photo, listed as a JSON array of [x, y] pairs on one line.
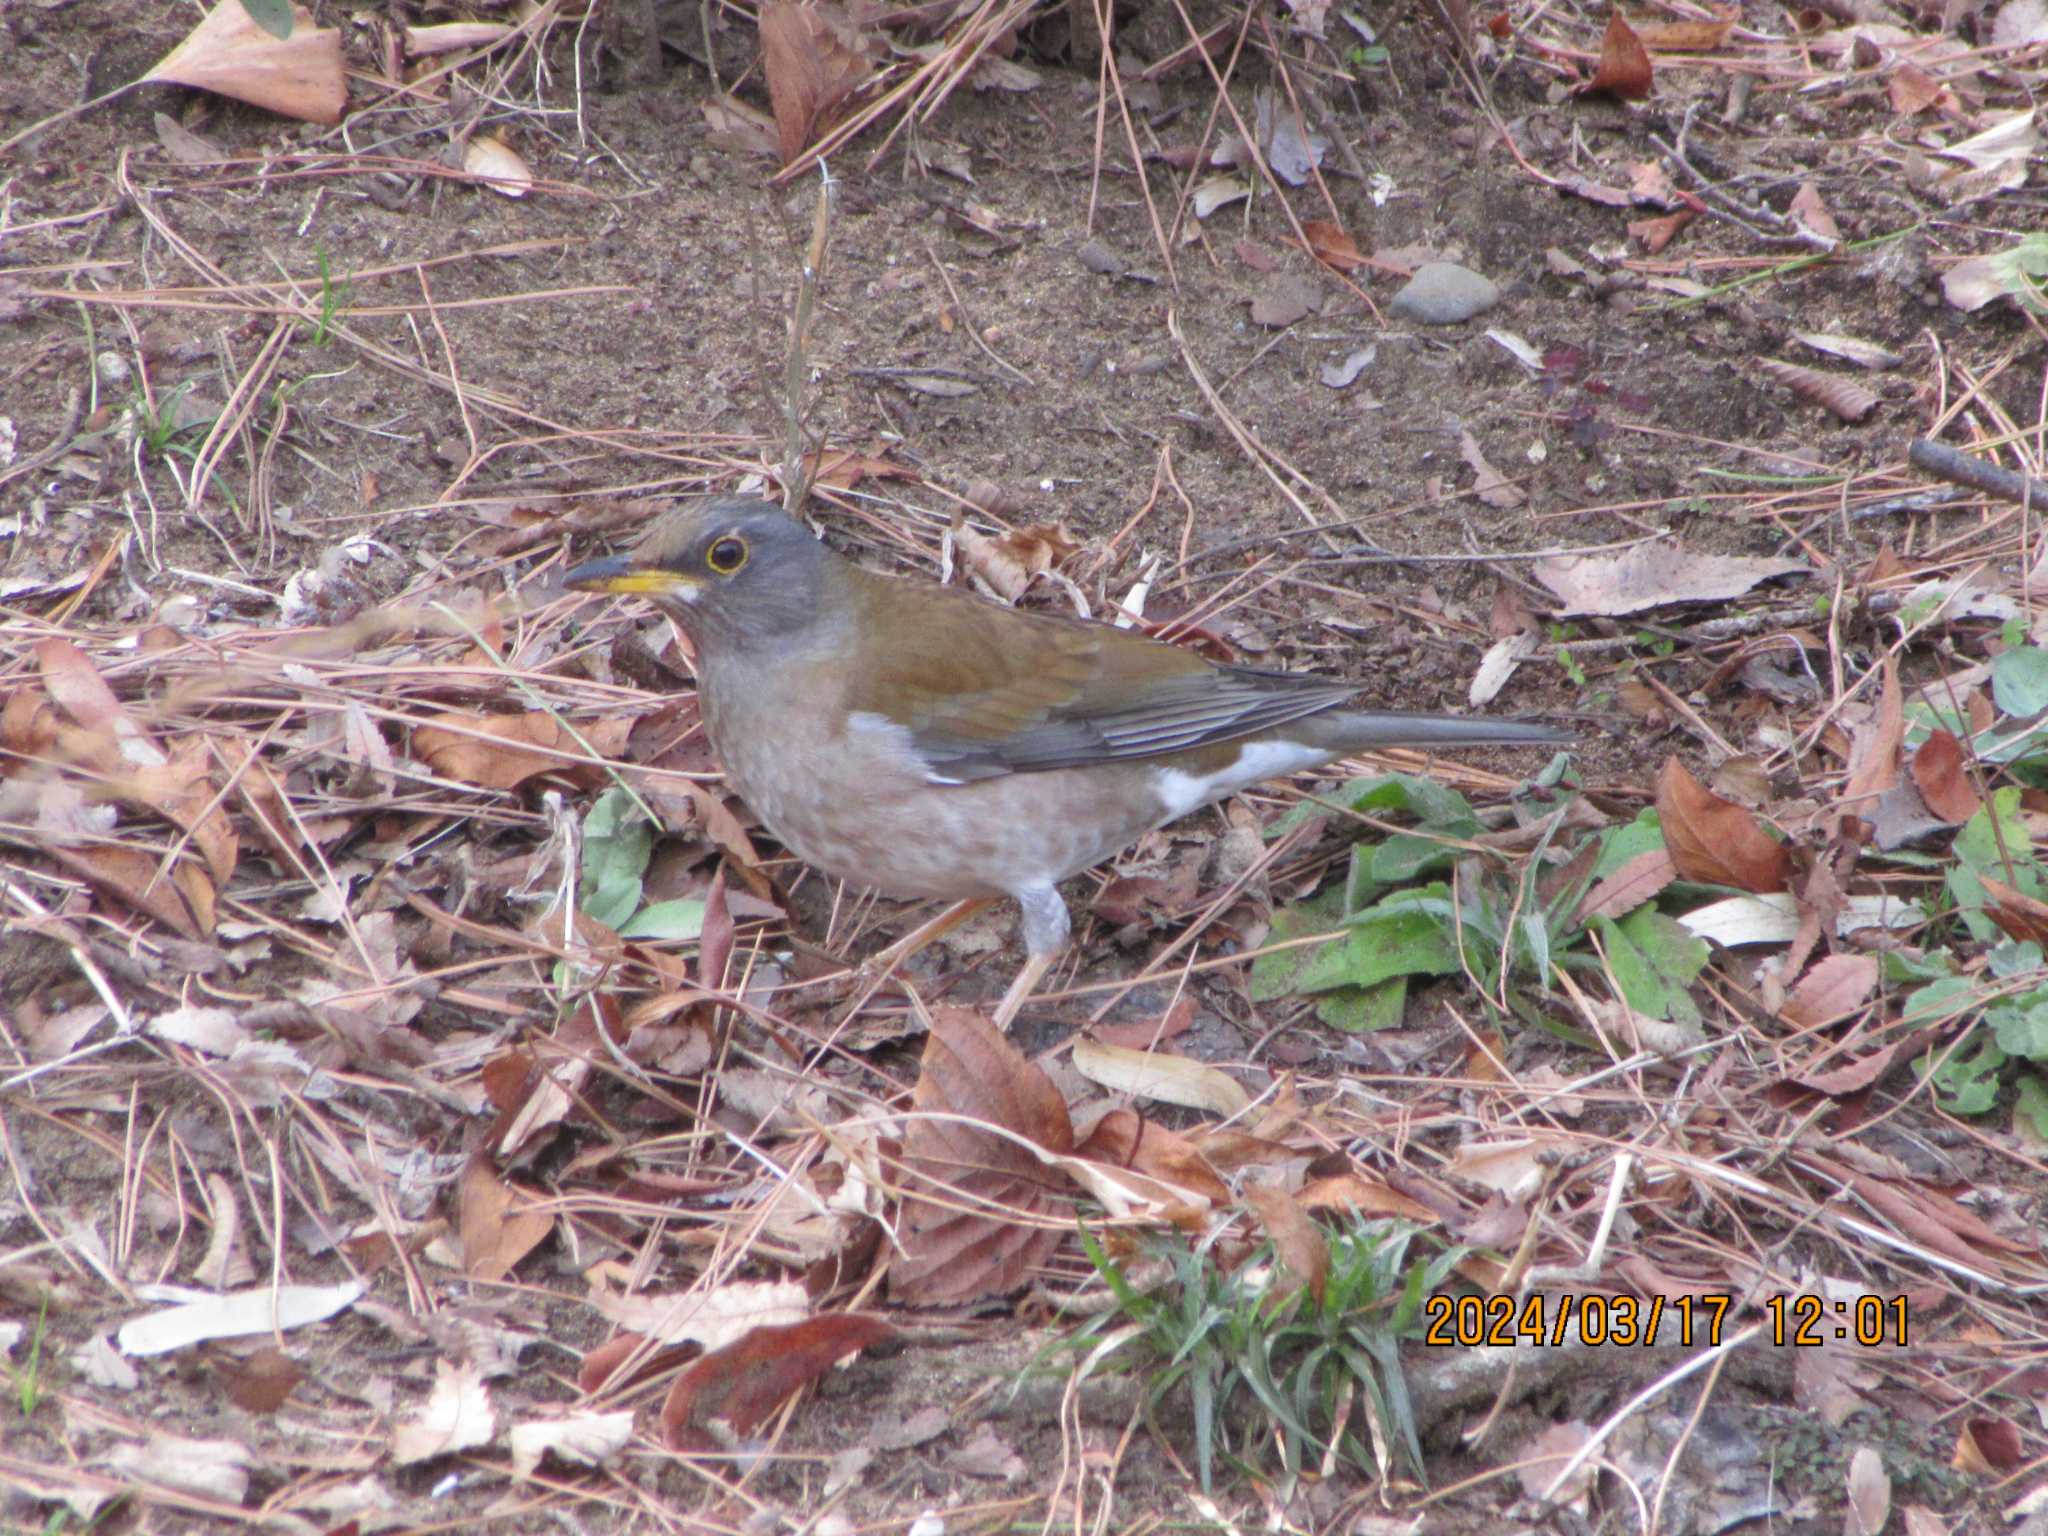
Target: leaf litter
[[395, 808]]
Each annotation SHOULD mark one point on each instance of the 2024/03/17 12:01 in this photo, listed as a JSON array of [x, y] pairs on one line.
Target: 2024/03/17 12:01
[[1467, 1321]]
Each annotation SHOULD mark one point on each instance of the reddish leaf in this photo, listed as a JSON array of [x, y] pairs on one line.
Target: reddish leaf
[[1938, 773], [745, 1382], [1835, 988], [1296, 1239], [1624, 63], [813, 62], [2018, 915], [714, 941], [1835, 393], [183, 903], [1330, 245], [1716, 840], [1874, 749], [262, 1382], [974, 1202]]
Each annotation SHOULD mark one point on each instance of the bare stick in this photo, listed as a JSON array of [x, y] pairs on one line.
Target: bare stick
[[796, 480], [1946, 463]]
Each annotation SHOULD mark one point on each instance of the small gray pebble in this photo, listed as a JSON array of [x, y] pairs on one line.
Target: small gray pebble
[[1444, 293]]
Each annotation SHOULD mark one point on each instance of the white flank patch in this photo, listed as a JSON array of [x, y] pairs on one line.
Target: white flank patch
[[1182, 792]]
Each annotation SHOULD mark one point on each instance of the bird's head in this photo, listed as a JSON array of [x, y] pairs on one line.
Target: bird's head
[[737, 574]]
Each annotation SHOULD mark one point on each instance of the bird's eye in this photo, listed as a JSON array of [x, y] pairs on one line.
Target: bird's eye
[[726, 556]]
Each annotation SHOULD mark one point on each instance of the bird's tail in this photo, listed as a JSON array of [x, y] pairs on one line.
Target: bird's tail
[[1355, 730]]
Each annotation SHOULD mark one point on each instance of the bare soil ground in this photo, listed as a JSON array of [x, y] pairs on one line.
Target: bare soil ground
[[436, 397]]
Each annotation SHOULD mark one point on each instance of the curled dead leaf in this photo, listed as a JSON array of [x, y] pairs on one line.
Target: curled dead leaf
[[1716, 840]]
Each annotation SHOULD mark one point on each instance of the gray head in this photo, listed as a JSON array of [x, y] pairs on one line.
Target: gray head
[[738, 574]]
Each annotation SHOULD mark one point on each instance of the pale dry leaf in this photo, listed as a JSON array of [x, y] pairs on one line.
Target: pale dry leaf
[[582, 1439], [230, 55], [458, 1417], [213, 1469], [1654, 574], [1153, 1075], [1498, 665], [1488, 484], [1870, 1494], [236, 1315], [498, 165], [713, 1318]]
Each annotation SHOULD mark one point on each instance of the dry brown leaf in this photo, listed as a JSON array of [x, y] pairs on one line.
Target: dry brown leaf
[[1488, 484], [183, 902], [1939, 775], [261, 1382], [1123, 1138], [1159, 1075], [498, 165], [504, 751], [230, 55], [1624, 63], [971, 1222], [1330, 245], [500, 1225], [746, 1381], [814, 62], [1655, 234], [1297, 1240], [1009, 562], [1875, 747], [1833, 989], [1716, 840], [1870, 1494], [2018, 915], [1639, 879], [1836, 393], [1365, 1194], [458, 1417]]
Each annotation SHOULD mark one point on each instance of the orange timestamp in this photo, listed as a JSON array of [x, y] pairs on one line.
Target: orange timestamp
[[1622, 1321]]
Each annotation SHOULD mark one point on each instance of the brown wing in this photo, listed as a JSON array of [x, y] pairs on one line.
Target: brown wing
[[986, 691]]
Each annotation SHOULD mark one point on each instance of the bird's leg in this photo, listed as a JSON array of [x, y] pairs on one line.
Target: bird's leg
[[1046, 926]]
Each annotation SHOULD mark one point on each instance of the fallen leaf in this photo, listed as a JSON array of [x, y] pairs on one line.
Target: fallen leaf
[[1716, 840], [1297, 1240], [1639, 879], [229, 54], [1652, 575], [498, 165], [1489, 484], [495, 1235], [1833, 989], [581, 1439], [1012, 560], [1839, 395], [236, 1315], [814, 62], [1155, 1075], [747, 1380], [458, 1417], [974, 1202], [1330, 245], [1939, 775], [1624, 63], [1870, 1494]]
